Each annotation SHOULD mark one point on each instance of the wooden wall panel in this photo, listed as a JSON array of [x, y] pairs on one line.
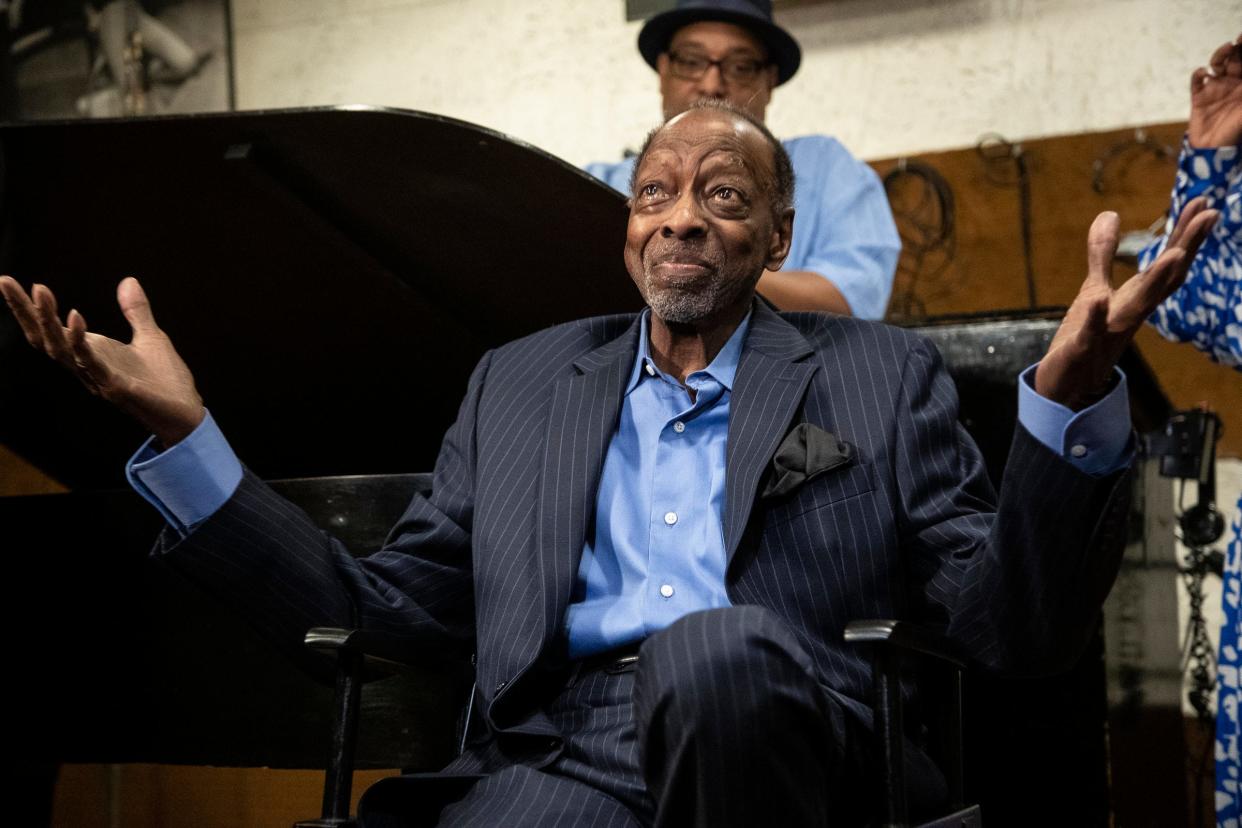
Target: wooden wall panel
[[156, 796], [17, 477]]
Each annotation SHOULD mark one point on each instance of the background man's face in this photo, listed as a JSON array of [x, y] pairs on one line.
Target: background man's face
[[715, 41], [701, 227]]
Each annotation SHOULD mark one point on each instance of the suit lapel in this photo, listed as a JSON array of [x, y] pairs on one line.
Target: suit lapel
[[581, 420], [771, 381]]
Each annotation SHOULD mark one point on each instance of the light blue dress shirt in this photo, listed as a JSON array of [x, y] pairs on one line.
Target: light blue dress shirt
[[843, 226], [190, 481], [658, 549], [1095, 440]]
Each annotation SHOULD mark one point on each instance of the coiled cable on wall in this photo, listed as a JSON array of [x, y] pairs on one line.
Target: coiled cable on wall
[[997, 153], [923, 206]]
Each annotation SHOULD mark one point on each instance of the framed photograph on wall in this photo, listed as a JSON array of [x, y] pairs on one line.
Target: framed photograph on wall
[[114, 58]]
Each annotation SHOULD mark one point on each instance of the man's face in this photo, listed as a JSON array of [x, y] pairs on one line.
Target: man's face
[[715, 41], [702, 221]]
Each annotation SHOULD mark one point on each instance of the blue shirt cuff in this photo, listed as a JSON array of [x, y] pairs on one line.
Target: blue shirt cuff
[[190, 481], [1095, 440]]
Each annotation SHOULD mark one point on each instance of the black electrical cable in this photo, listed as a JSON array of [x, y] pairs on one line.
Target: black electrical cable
[[1140, 140], [927, 224], [995, 149]]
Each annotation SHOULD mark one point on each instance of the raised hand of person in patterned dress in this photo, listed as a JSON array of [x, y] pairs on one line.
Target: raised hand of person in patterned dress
[[1216, 99]]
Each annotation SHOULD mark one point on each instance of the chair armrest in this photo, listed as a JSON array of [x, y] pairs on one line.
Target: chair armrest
[[361, 656], [903, 635], [377, 650]]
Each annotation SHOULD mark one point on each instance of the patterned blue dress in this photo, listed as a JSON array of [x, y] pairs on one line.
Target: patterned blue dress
[[1207, 312]]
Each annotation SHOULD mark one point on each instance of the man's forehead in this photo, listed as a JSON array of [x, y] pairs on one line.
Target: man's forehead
[[715, 35], [704, 132], [677, 153]]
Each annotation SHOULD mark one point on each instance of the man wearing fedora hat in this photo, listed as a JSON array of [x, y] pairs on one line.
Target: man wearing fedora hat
[[845, 244]]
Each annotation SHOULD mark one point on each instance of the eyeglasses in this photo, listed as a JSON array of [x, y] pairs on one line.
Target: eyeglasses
[[740, 70]]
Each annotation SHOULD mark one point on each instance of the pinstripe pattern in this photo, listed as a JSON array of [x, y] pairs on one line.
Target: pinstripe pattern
[[736, 731], [519, 796], [910, 530], [593, 772]]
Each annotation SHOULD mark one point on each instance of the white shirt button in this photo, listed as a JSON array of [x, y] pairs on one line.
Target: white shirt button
[[679, 426], [650, 370], [670, 518], [666, 590], [1078, 450]]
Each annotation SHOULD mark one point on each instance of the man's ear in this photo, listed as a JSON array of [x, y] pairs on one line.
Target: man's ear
[[773, 74], [782, 238], [662, 71]]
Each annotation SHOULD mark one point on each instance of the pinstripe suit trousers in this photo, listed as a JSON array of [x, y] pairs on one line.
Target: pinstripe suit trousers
[[720, 723]]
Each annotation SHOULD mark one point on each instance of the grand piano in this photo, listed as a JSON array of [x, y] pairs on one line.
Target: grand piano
[[331, 276]]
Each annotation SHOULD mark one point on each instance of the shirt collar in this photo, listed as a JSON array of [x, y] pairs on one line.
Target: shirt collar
[[722, 369]]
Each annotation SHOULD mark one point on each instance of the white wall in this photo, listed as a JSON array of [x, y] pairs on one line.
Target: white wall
[[886, 76]]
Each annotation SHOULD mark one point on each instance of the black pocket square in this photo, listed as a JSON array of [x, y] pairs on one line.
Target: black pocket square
[[806, 452]]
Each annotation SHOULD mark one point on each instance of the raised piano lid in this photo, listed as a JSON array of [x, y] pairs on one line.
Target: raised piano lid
[[331, 275]]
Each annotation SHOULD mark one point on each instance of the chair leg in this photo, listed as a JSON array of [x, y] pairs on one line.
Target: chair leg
[[889, 729], [953, 761], [339, 775]]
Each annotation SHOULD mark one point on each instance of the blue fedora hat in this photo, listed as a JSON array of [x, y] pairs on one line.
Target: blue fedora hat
[[753, 15]]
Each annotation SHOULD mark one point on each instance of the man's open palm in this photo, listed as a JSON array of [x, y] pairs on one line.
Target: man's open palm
[[145, 378], [1102, 320]]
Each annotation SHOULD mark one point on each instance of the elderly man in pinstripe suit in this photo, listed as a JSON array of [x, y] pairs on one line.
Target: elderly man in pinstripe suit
[[652, 529]]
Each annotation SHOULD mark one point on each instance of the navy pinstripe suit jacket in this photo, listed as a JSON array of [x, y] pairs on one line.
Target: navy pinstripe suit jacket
[[911, 529]]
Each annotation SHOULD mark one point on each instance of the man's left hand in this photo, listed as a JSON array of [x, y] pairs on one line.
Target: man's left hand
[[1078, 367]]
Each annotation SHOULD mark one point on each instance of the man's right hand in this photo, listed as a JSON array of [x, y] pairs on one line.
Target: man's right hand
[[146, 378]]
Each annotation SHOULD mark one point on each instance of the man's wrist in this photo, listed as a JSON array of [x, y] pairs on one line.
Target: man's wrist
[[1068, 391], [1083, 400], [190, 480], [1095, 439], [171, 432]]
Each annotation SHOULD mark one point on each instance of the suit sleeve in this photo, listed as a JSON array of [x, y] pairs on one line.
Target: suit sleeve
[[269, 559], [1017, 581]]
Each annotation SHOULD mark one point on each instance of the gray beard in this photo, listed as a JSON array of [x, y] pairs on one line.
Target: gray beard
[[685, 306]]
